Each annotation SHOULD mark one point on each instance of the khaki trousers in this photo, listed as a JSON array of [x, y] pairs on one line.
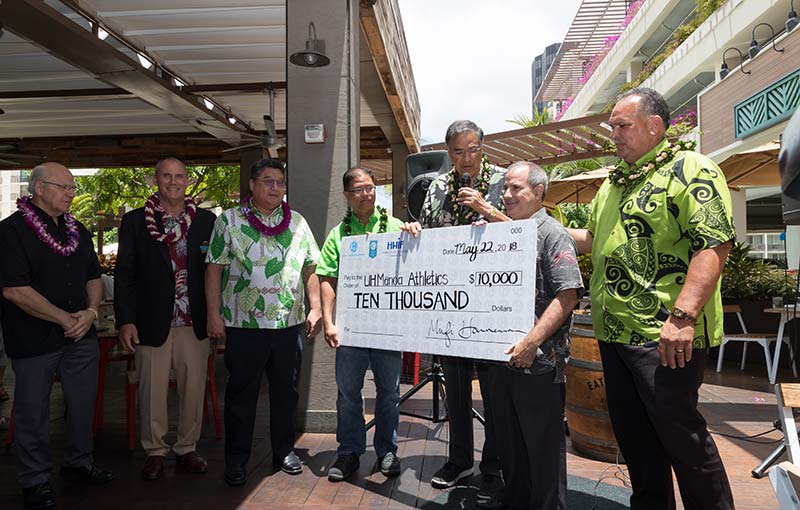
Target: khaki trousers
[[185, 358]]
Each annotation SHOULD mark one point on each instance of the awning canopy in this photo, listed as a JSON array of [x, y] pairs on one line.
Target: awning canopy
[[99, 83], [755, 167], [578, 189], [556, 142]]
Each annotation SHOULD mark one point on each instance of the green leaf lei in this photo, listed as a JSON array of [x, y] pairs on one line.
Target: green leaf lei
[[348, 217], [622, 179], [452, 190]]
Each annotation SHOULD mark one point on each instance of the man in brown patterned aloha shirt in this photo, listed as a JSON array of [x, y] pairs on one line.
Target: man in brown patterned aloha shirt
[[528, 394]]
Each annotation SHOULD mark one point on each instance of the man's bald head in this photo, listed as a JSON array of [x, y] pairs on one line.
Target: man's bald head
[[47, 172]]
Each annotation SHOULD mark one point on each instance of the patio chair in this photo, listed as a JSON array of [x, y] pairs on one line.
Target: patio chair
[[763, 339], [785, 477]]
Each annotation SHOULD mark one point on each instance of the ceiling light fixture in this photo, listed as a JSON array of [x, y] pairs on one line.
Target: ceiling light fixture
[[178, 82], [723, 69], [209, 104], [314, 54], [231, 118], [144, 61], [754, 46]]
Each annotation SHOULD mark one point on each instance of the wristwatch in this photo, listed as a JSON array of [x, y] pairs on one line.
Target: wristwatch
[[683, 315]]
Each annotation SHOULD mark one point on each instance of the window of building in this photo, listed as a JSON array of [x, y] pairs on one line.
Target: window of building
[[767, 245]]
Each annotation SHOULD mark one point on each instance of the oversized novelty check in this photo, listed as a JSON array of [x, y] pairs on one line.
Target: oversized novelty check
[[460, 291]]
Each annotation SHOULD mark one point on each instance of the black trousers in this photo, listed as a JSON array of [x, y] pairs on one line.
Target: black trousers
[[250, 354], [529, 421], [654, 414], [76, 366], [458, 373]]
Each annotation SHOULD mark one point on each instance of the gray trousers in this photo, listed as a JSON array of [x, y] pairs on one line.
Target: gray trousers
[[76, 366]]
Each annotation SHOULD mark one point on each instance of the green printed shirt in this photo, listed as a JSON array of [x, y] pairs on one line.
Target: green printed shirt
[[645, 236], [262, 283], [329, 260], [437, 209]]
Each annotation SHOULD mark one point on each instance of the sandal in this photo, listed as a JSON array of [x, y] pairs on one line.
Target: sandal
[[4, 394]]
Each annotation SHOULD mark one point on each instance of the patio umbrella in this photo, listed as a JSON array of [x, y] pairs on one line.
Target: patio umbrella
[[579, 188], [754, 167]]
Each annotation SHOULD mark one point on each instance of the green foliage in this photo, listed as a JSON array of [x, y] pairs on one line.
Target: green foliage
[[585, 265], [703, 9], [112, 188], [573, 215], [536, 119], [746, 277], [568, 169]]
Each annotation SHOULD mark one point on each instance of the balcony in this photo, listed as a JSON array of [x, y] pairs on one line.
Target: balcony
[[746, 110]]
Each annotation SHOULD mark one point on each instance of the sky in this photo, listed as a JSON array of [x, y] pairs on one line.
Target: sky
[[472, 58]]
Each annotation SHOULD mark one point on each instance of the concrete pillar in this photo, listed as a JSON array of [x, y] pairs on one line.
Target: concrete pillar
[[739, 201], [792, 246], [633, 70], [399, 204], [247, 158], [321, 95]]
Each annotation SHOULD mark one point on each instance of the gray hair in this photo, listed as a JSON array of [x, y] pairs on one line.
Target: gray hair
[[462, 126], [168, 158], [536, 175], [38, 174], [652, 103]]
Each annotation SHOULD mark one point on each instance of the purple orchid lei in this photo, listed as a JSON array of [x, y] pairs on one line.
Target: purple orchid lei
[[263, 228], [153, 204], [35, 222]]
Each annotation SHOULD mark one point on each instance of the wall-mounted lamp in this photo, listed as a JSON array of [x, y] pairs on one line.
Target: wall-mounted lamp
[[314, 54], [755, 48], [791, 21], [723, 69]]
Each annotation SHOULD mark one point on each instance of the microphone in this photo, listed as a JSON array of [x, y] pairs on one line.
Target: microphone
[[466, 180]]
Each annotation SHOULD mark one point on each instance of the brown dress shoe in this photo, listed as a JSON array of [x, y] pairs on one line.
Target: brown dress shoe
[[192, 462], [153, 467]]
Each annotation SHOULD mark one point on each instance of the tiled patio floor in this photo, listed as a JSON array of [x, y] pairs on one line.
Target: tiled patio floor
[[736, 403]]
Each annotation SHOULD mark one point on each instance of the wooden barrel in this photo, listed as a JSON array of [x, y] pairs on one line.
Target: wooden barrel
[[587, 409]]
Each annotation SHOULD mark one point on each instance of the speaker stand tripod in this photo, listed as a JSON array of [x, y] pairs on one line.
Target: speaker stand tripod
[[434, 375]]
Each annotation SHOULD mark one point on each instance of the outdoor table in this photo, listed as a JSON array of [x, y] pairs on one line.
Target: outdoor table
[[787, 313]]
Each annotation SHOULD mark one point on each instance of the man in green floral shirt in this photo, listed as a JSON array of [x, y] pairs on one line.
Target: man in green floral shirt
[[660, 231], [261, 263]]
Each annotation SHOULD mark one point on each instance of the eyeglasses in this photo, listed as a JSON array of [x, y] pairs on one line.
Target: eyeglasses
[[469, 150], [272, 183], [363, 190], [62, 187]]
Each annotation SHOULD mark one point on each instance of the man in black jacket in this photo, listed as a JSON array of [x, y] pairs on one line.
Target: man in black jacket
[[160, 311]]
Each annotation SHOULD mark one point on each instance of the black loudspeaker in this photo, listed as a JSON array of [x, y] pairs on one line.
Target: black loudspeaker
[[421, 169], [791, 210]]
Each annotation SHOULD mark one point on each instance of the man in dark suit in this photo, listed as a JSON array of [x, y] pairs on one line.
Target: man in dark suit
[[160, 311]]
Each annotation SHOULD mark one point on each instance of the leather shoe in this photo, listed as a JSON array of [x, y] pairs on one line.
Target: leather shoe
[[39, 496], [153, 467], [88, 473], [192, 462], [291, 464], [235, 475]]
